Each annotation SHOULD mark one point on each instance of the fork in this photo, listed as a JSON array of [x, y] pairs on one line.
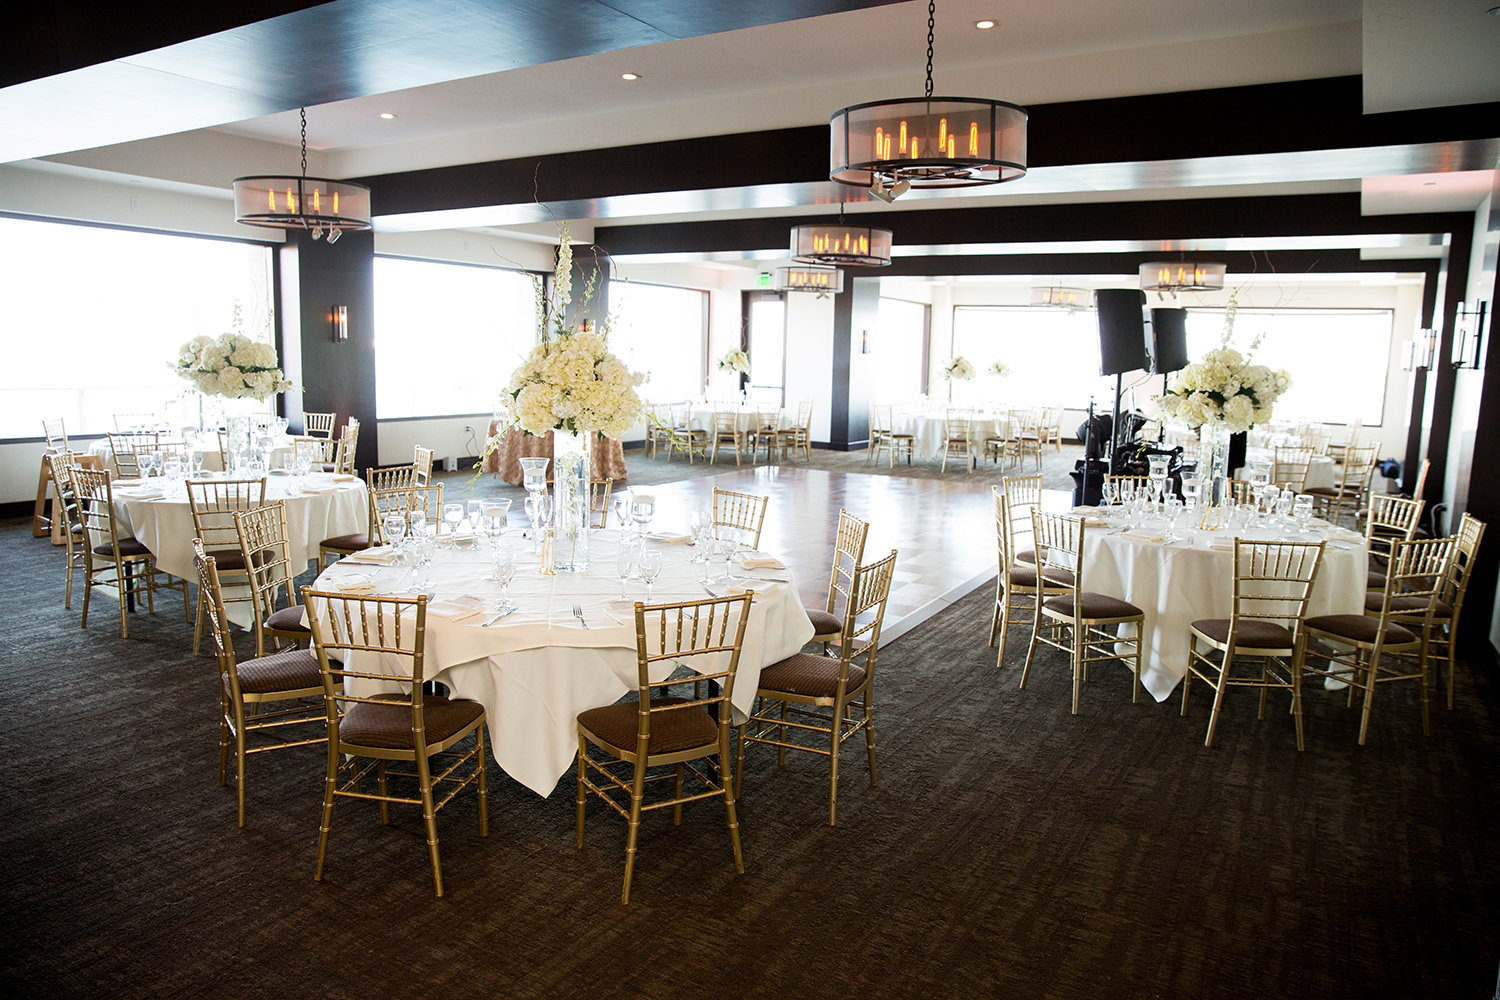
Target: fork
[[578, 613]]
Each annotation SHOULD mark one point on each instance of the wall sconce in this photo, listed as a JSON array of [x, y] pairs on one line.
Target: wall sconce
[[1469, 334], [339, 319]]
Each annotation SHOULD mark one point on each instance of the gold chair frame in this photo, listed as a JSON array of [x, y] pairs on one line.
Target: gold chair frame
[[265, 549], [319, 425], [421, 465], [726, 428], [668, 634], [380, 642], [599, 490], [848, 552], [125, 448], [213, 503], [1016, 582], [65, 510], [958, 438], [741, 511], [94, 491]]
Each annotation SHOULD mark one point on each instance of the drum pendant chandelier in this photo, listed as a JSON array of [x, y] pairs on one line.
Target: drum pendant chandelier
[[927, 142], [841, 244], [316, 204]]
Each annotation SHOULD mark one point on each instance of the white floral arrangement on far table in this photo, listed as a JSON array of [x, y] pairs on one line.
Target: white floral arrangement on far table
[[735, 361], [998, 368], [960, 368], [570, 381], [231, 365], [1224, 388]]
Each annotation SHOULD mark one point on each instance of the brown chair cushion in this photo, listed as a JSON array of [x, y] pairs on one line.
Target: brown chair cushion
[[1252, 634], [1026, 556], [389, 726], [234, 559], [809, 676], [1025, 576], [292, 670], [1359, 628], [671, 731], [1323, 491], [1093, 606], [1375, 580], [128, 547], [1440, 609], [347, 543], [825, 623], [287, 620]]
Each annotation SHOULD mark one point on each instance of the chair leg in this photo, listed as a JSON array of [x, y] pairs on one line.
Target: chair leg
[[429, 818], [1449, 643], [677, 794], [583, 750], [329, 784], [837, 729], [122, 580], [637, 792], [482, 762], [995, 615], [739, 767], [239, 761], [1036, 627], [781, 737], [1078, 665], [223, 739], [1213, 718], [726, 780], [1298, 656], [380, 783], [869, 717], [1370, 678]]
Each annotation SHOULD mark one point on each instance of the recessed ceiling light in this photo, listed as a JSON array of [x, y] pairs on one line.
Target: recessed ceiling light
[[984, 25], [630, 76], [386, 115]]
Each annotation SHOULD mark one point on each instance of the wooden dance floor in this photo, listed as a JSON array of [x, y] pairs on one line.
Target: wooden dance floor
[[944, 530]]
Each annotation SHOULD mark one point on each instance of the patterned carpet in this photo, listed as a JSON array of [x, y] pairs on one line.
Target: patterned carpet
[[1010, 850]]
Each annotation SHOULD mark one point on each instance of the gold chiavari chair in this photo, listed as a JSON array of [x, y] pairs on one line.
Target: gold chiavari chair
[[661, 730], [599, 490], [319, 453], [1337, 449], [65, 512], [110, 562], [1289, 468], [1449, 603], [659, 427], [1388, 519], [126, 448], [1022, 495], [743, 512], [876, 439], [378, 643], [1272, 581], [958, 438], [1082, 624], [392, 477], [1390, 646], [290, 676], [767, 432], [1348, 494], [421, 465], [1029, 437], [896, 443], [848, 550], [56, 433], [1053, 427], [344, 449], [727, 431], [1363, 514], [684, 436], [264, 548], [804, 683], [222, 436], [1000, 447], [1016, 582], [798, 437], [213, 503], [1134, 483], [319, 425], [134, 421], [1316, 442]]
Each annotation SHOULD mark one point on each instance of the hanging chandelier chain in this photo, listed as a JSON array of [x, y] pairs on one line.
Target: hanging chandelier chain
[[304, 143], [931, 25]]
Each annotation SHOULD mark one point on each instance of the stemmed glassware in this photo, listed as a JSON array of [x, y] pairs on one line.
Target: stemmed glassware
[[1284, 504], [1302, 511], [1174, 509], [624, 563], [1192, 490], [621, 501], [650, 568], [422, 546], [642, 510], [495, 518], [700, 522], [503, 564], [1268, 494], [475, 514], [393, 527], [453, 516], [539, 510]]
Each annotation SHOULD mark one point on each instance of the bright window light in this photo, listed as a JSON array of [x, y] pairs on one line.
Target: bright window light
[[662, 332], [898, 353], [1053, 357]]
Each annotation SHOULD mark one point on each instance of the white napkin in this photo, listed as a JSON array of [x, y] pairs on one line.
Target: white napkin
[[354, 583], [455, 609], [381, 555], [1221, 541], [143, 493], [668, 538], [760, 560], [126, 483], [321, 488], [345, 478], [1142, 535]]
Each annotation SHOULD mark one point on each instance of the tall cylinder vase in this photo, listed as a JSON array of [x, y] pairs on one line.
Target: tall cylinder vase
[[572, 462], [1213, 462]]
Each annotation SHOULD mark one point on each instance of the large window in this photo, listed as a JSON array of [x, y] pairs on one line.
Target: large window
[[92, 319], [1338, 358], [1052, 354], [900, 348], [447, 336], [662, 332]]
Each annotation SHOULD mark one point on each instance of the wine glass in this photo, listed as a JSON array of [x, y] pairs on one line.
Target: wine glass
[[393, 527], [1268, 495], [496, 516], [1192, 490], [642, 510], [624, 565], [1173, 508], [503, 563], [1302, 511], [621, 501], [475, 513], [424, 545], [650, 568], [1284, 504], [453, 516]]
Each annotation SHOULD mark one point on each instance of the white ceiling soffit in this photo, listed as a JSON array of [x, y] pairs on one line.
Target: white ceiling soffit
[[1430, 54], [1459, 191]]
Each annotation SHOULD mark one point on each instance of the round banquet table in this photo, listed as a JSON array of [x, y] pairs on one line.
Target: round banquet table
[[318, 506], [515, 444], [929, 430], [208, 445], [1178, 583], [1322, 472], [537, 668]]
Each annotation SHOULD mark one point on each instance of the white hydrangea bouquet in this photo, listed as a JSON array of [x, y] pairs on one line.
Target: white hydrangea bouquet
[[959, 368], [1224, 389], [999, 368], [735, 361], [231, 365]]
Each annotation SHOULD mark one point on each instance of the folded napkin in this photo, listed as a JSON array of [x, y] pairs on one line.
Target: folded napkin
[[455, 609], [1220, 541], [380, 555], [760, 560], [1085, 510], [321, 488], [353, 583], [1095, 522], [143, 493], [1143, 535], [668, 538], [126, 483], [344, 478]]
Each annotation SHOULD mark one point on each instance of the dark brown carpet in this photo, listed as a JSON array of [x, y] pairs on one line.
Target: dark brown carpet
[[1011, 850]]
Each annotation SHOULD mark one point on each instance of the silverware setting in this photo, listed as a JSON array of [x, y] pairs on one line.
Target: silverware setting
[[710, 591], [578, 613], [497, 617]]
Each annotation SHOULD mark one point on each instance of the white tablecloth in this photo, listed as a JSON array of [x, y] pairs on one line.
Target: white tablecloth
[[208, 445], [930, 430], [165, 525], [746, 419], [1180, 583], [536, 669], [1321, 471]]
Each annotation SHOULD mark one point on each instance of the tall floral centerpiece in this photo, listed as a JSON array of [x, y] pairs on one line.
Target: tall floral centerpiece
[[572, 387], [958, 369], [735, 361], [232, 366], [998, 368], [1222, 394]]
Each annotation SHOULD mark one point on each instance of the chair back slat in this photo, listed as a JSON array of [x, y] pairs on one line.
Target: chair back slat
[[214, 503], [1272, 581], [267, 554], [848, 550], [704, 636], [745, 512]]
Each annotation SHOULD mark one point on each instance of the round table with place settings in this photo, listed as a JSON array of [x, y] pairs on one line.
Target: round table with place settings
[[537, 667]]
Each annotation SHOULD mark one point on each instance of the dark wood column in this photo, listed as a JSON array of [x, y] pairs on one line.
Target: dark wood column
[[333, 376], [855, 310]]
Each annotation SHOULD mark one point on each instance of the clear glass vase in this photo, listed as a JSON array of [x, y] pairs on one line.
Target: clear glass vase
[[1213, 463], [571, 467]]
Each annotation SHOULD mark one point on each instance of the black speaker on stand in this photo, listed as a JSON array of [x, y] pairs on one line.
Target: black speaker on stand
[[1122, 343]]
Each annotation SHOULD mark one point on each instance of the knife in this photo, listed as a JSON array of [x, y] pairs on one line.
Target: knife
[[498, 617], [709, 591]]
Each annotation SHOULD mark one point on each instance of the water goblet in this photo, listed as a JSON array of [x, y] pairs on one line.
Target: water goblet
[[497, 514], [621, 501], [642, 510], [1173, 508], [172, 468], [1302, 511], [1268, 494], [1284, 505], [453, 516], [393, 527], [503, 564], [424, 545], [650, 568], [624, 565], [475, 512]]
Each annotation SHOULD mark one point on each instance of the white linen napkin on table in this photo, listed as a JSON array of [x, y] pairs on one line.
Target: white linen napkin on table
[[455, 609], [760, 560], [1143, 535], [668, 538], [321, 487], [380, 555], [143, 492], [353, 583]]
